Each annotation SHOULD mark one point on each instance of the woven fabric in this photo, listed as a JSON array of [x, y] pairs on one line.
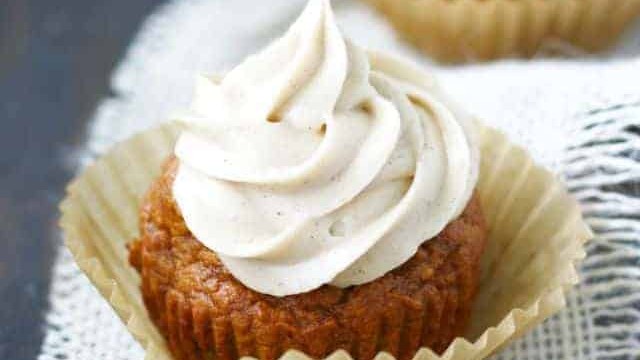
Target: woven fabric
[[580, 117]]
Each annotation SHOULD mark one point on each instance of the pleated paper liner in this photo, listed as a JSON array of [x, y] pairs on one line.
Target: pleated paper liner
[[536, 236], [464, 30]]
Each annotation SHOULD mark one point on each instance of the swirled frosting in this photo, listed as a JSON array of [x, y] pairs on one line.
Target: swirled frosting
[[316, 163]]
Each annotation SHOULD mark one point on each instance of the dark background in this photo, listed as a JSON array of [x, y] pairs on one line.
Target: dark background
[[55, 61]]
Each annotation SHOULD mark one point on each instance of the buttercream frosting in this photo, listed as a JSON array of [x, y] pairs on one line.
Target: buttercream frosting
[[314, 162]]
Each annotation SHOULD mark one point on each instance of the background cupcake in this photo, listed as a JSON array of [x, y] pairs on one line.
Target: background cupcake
[[459, 30]]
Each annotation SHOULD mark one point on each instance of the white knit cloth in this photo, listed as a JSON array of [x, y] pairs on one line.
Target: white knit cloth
[[579, 117]]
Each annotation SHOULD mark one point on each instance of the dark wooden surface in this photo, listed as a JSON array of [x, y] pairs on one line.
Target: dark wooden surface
[[55, 61]]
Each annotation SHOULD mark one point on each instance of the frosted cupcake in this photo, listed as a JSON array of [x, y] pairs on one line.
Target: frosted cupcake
[[319, 200], [459, 30]]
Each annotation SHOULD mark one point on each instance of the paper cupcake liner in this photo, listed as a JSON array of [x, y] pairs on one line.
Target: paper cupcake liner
[[459, 30], [536, 234]]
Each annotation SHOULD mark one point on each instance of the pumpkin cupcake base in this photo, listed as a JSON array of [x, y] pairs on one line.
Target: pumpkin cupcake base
[[205, 313]]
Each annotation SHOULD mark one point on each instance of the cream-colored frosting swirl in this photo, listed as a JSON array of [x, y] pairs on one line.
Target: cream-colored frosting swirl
[[316, 163]]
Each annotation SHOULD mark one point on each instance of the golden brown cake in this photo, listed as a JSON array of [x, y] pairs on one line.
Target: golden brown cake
[[204, 313]]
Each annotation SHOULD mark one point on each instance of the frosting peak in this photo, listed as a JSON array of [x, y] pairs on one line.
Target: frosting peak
[[314, 163]]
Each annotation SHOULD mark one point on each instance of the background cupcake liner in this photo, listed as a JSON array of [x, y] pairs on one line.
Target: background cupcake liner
[[536, 234], [458, 30]]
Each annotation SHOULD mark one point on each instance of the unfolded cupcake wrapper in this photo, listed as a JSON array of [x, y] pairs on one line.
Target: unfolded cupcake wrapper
[[536, 236], [461, 30]]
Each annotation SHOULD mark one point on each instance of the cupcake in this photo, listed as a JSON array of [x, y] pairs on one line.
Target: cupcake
[[459, 30], [319, 199]]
